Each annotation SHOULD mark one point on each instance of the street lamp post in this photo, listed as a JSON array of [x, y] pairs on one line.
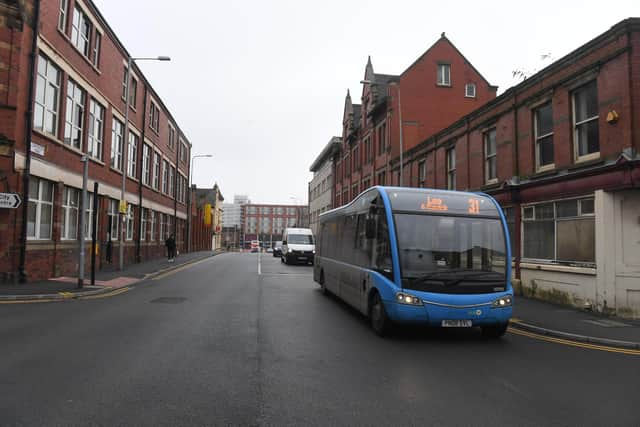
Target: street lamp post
[[189, 219], [397, 85], [125, 148]]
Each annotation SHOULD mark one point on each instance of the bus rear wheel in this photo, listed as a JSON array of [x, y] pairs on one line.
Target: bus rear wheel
[[323, 286], [380, 322], [494, 331]]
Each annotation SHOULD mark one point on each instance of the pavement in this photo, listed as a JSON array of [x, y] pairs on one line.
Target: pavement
[[529, 315], [107, 280]]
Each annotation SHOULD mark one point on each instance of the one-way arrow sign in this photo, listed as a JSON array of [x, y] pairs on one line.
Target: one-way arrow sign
[[9, 200]]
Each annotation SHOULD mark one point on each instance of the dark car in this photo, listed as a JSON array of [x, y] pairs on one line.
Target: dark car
[[277, 249]]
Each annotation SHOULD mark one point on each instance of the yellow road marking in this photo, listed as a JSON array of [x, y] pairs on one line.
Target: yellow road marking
[[563, 341], [31, 301], [183, 267], [107, 295]]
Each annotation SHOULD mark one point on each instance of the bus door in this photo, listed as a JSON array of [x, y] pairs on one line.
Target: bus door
[[350, 271]]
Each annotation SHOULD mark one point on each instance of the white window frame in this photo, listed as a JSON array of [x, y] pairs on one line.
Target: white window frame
[[117, 139], [70, 231], [146, 163], [489, 157], [114, 213], [129, 222], [97, 40], [443, 77], [96, 129], [576, 125], [74, 116], [538, 138], [165, 177], [81, 31], [470, 93], [156, 170], [88, 221], [39, 202], [48, 80], [154, 117], [172, 174], [172, 137], [62, 16], [143, 224], [132, 155], [152, 225]]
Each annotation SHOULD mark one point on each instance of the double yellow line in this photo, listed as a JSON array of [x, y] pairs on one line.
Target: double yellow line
[[563, 341], [67, 296]]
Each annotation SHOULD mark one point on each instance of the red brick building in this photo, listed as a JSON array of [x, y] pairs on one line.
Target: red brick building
[[559, 151], [67, 102], [266, 223], [438, 88]]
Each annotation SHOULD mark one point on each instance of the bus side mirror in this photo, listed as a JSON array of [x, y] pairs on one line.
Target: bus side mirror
[[370, 228]]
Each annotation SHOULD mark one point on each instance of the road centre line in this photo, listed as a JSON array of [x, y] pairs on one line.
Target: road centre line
[[563, 341]]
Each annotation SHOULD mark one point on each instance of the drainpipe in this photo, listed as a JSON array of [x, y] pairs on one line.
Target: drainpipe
[[140, 151], [516, 193], [28, 125]]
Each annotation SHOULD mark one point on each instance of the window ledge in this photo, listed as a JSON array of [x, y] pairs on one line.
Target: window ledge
[[589, 271], [588, 159], [491, 185], [95, 160], [118, 171], [545, 170], [542, 173], [444, 85], [585, 164]]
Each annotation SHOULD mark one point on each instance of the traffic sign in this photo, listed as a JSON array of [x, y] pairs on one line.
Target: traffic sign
[[9, 200]]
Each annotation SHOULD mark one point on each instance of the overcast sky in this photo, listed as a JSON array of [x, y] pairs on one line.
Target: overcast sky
[[261, 84]]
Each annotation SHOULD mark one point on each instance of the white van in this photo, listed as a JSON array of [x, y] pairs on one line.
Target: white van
[[298, 245]]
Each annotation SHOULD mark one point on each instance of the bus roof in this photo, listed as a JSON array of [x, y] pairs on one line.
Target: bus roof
[[428, 200]]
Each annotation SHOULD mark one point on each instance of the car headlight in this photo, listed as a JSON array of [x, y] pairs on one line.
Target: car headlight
[[313, 251], [504, 301], [408, 299], [290, 250]]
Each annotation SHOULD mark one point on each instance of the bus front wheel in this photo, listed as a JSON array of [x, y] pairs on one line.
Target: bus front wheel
[[380, 322], [494, 331]]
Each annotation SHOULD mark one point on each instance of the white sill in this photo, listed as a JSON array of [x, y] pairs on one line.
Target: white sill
[[546, 167], [491, 181], [588, 157], [467, 96], [559, 268]]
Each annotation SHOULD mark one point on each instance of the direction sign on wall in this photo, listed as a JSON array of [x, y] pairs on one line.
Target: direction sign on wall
[[9, 200]]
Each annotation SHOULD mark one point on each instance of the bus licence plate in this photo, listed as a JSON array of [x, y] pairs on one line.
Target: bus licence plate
[[456, 323]]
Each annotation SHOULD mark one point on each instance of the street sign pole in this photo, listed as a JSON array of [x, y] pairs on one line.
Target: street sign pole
[[81, 231], [94, 231]]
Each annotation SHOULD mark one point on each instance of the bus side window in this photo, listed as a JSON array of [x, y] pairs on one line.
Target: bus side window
[[348, 238], [382, 249], [362, 254]]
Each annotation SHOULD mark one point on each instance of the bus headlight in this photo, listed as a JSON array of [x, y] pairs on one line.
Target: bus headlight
[[290, 250], [504, 301], [403, 298]]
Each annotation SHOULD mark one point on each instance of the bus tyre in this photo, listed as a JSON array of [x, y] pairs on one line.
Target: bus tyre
[[380, 322], [323, 287], [494, 331]]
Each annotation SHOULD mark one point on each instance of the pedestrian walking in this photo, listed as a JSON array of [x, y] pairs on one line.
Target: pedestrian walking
[[170, 243]]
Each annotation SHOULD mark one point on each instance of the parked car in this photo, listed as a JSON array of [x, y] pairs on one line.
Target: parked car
[[277, 249], [298, 245]]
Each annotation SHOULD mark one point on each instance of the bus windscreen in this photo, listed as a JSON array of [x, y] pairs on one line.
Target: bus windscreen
[[451, 254]]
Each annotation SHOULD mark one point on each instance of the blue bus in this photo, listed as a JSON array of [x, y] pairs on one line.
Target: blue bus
[[414, 255]]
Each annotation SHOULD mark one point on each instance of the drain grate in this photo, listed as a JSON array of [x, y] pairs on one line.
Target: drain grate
[[168, 300]]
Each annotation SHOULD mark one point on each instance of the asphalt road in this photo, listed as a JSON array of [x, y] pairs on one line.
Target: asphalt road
[[217, 344]]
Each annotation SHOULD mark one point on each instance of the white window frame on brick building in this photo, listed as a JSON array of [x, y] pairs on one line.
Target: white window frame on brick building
[[129, 222], [172, 137], [113, 215], [47, 97], [74, 115], [490, 156], [450, 156], [70, 208], [132, 155], [585, 122], [154, 117], [152, 225], [165, 177], [62, 16], [444, 74], [143, 224], [88, 218], [81, 28], [156, 170], [543, 133], [117, 138], [97, 41], [146, 164], [40, 209], [422, 173], [96, 129], [470, 90]]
